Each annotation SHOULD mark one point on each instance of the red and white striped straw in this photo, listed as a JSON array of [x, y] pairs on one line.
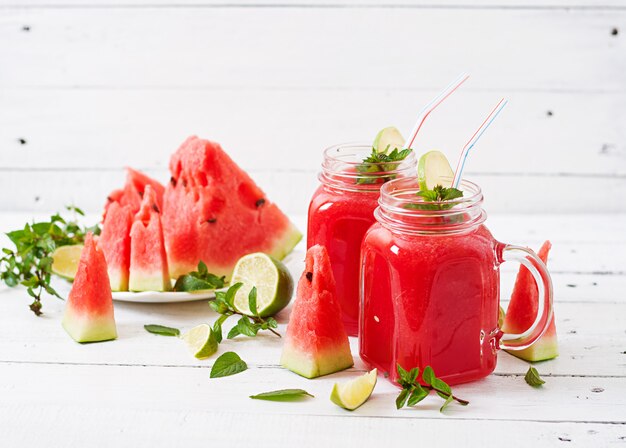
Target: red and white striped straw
[[425, 112]]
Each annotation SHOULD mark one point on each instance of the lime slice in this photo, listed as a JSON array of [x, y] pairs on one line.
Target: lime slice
[[65, 261], [201, 341], [388, 139], [434, 169], [272, 280], [352, 394]]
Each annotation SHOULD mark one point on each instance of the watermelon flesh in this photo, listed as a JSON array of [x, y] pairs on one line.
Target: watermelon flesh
[[316, 343], [148, 262], [522, 311], [214, 212], [115, 244], [88, 313], [133, 191]]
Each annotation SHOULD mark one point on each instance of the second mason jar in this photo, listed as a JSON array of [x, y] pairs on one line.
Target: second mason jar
[[341, 211]]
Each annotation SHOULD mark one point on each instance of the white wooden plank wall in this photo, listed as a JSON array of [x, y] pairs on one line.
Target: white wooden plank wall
[[88, 87]]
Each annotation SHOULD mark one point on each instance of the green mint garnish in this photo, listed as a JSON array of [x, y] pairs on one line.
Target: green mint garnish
[[162, 330], [228, 364], [30, 263], [380, 162], [247, 325], [413, 392], [282, 395], [532, 377], [437, 196], [199, 280]]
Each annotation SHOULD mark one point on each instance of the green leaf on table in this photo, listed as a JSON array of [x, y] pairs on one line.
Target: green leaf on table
[[532, 377], [402, 398], [282, 395], [417, 395], [162, 330], [445, 404], [228, 364]]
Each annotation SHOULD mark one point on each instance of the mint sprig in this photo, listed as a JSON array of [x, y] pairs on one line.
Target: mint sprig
[[199, 280], [162, 330], [413, 392], [380, 162], [282, 395], [228, 364], [436, 198], [30, 263], [223, 303]]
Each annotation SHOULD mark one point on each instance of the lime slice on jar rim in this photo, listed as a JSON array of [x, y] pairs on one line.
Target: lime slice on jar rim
[[65, 261], [200, 341], [352, 394], [388, 139], [273, 282], [434, 169]]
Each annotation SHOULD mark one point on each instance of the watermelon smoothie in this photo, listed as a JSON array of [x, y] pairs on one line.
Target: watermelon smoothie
[[341, 211], [431, 286]]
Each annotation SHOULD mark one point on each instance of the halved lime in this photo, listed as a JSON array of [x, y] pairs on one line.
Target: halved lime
[[352, 394], [434, 169], [201, 341], [388, 139], [272, 280], [65, 261]]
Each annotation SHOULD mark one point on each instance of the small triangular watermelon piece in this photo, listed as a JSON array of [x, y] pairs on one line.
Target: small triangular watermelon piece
[[148, 261], [115, 243], [89, 308], [215, 213], [133, 191], [522, 311], [316, 343]]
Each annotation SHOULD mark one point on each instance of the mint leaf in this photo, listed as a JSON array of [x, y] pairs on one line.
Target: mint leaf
[[282, 395], [199, 280], [532, 377], [402, 398], [418, 394], [229, 297], [449, 400], [429, 375], [380, 162], [162, 330], [435, 199], [252, 301], [228, 364]]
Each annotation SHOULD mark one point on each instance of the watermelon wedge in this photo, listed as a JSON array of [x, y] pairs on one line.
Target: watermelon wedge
[[115, 243], [148, 262], [214, 212], [133, 191], [89, 308], [522, 310], [316, 343]]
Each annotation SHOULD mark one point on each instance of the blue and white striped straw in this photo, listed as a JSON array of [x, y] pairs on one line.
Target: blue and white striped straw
[[472, 141]]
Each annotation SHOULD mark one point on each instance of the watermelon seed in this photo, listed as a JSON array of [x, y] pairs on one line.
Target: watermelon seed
[[141, 194], [309, 276], [184, 183], [173, 181], [211, 220], [109, 198], [155, 208], [259, 202]]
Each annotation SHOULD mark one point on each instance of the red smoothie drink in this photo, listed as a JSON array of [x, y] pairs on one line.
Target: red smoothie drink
[[431, 285], [341, 211]]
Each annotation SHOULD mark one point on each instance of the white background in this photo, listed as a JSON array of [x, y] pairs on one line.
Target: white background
[[88, 87]]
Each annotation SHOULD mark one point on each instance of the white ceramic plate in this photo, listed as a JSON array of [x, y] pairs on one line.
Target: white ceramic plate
[[162, 297]]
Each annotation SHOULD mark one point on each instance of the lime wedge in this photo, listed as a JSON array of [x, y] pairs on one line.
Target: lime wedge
[[434, 169], [65, 261], [352, 394], [201, 341], [388, 139], [272, 280]]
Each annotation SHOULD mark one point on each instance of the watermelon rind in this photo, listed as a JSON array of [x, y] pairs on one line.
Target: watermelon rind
[[88, 329], [311, 366], [546, 348], [141, 281]]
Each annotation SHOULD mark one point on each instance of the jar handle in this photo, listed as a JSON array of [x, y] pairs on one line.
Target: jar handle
[[539, 271]]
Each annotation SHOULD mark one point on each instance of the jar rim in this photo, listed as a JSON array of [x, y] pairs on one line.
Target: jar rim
[[340, 168]]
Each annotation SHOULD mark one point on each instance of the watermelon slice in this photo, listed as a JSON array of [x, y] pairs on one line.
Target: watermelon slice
[[148, 262], [89, 308], [214, 212], [133, 191], [522, 311], [115, 243], [316, 343]]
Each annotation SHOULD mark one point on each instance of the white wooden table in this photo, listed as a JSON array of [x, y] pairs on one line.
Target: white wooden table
[[146, 390]]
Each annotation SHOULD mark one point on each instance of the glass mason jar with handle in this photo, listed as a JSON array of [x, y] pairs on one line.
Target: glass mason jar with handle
[[341, 211], [430, 290]]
